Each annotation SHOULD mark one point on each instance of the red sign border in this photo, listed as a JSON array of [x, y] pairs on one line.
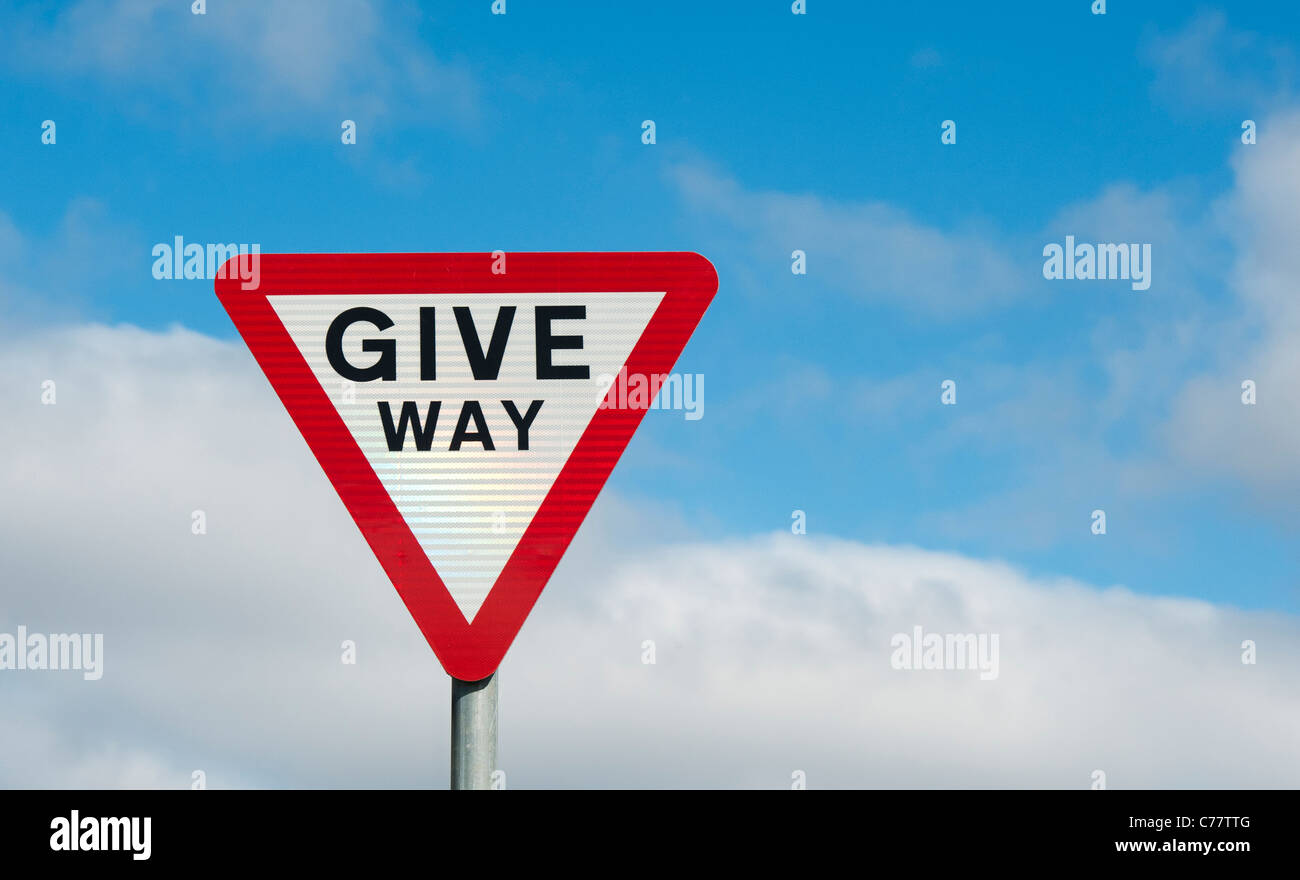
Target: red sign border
[[468, 651]]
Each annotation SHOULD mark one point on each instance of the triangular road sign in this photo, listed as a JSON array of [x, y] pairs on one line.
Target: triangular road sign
[[457, 403]]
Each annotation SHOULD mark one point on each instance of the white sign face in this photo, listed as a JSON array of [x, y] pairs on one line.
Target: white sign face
[[467, 405]]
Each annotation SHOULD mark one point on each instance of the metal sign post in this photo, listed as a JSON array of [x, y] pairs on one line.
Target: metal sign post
[[473, 733]]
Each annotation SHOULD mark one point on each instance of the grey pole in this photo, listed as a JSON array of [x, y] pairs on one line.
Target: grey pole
[[473, 733]]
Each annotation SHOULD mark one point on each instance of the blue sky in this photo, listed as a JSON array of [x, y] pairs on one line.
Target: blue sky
[[774, 132]]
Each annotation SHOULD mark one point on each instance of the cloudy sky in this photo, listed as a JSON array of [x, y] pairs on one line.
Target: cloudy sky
[[1119, 652]]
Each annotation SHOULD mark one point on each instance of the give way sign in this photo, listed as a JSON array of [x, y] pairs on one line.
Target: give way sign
[[453, 401]]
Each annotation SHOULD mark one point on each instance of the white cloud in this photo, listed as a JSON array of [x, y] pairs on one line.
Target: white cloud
[[222, 650], [1209, 64], [1148, 400], [1187, 247], [874, 251], [1210, 427], [267, 61]]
